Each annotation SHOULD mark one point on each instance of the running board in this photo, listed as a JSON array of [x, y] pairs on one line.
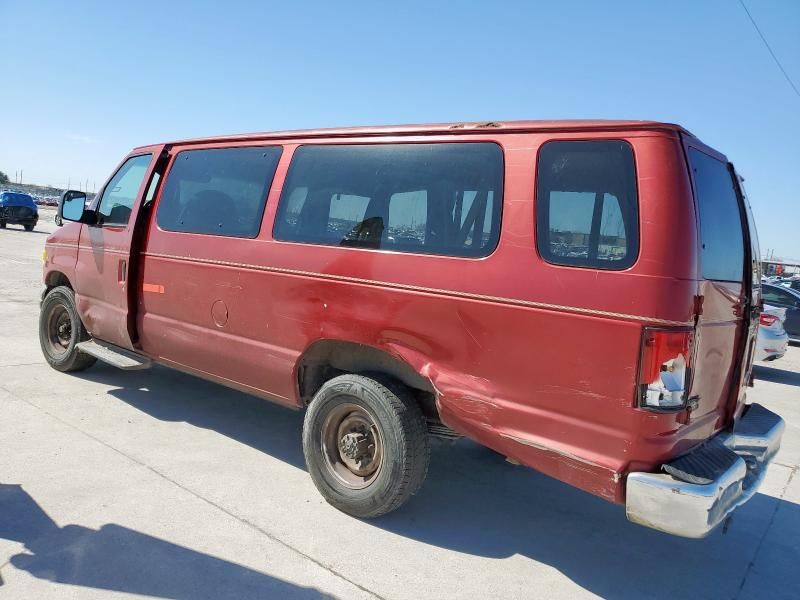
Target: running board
[[114, 355]]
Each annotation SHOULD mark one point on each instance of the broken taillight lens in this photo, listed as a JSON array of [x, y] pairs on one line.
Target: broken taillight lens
[[767, 320], [664, 367]]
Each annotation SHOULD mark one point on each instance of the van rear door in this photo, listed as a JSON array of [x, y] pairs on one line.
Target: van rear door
[[755, 291], [728, 307]]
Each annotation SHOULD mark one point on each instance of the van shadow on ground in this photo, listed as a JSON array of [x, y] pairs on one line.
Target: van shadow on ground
[[121, 559], [169, 395], [474, 502]]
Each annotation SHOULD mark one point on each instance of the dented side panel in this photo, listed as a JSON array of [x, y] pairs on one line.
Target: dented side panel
[[534, 360]]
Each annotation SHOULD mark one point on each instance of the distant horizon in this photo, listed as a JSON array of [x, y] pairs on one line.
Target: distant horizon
[[11, 184]]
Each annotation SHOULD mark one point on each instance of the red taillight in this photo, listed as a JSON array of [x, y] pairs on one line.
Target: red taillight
[[767, 320], [664, 367]]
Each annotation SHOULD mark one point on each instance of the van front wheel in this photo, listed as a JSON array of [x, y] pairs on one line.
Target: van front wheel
[[366, 445], [60, 330]]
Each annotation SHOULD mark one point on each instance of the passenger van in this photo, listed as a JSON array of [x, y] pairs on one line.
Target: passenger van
[[580, 296]]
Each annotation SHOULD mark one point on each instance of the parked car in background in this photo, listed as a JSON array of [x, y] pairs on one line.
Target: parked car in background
[[788, 282], [789, 299], [794, 284], [18, 208], [772, 337]]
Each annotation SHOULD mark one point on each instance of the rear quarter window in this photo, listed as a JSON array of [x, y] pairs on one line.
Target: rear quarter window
[[586, 204], [720, 217]]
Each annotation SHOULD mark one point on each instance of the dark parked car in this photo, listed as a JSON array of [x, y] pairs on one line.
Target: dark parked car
[[18, 209], [789, 299]]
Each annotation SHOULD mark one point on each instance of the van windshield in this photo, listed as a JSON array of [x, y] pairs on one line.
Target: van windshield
[[721, 227]]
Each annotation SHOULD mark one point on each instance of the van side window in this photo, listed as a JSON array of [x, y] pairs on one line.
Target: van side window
[[426, 198], [218, 191], [586, 204], [120, 194], [152, 187], [408, 217], [721, 227]]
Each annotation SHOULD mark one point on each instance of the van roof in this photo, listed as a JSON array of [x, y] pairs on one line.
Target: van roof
[[452, 128]]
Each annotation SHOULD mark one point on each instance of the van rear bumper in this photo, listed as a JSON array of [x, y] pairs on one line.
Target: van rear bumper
[[698, 491]]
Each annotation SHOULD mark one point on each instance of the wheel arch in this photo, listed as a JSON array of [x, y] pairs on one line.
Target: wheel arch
[[326, 358], [56, 278]]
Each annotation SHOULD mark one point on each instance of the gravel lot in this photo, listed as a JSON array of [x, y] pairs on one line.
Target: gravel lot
[[154, 483]]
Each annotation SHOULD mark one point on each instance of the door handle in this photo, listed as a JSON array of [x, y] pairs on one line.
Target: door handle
[[122, 270]]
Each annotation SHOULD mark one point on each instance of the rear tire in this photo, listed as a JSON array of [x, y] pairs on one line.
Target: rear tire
[[60, 330], [366, 445]]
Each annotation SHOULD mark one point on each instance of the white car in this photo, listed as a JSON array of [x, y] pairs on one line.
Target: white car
[[772, 337]]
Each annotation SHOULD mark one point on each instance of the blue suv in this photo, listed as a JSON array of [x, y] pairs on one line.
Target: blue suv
[[18, 208]]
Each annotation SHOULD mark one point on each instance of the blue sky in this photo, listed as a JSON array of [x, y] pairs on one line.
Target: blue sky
[[84, 82]]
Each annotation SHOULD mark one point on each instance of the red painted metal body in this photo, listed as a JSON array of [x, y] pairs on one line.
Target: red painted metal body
[[534, 360]]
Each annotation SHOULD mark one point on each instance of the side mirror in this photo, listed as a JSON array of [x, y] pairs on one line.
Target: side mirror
[[72, 207]]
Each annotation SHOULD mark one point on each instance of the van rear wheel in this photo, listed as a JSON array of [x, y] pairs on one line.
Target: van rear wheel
[[60, 330], [365, 443]]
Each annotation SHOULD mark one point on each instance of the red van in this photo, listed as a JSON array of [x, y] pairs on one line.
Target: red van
[[580, 296]]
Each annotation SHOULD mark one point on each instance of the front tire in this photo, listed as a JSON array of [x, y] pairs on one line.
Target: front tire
[[60, 330], [29, 227], [366, 445]]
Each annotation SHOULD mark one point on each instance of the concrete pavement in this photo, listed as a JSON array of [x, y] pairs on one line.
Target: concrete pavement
[[155, 483]]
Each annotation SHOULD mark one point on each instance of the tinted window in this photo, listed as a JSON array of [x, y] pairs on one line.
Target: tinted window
[[428, 198], [721, 232], [220, 191], [586, 204], [773, 295], [755, 249], [120, 193]]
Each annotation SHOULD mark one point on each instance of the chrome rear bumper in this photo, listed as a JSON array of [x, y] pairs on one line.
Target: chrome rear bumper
[[709, 483]]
